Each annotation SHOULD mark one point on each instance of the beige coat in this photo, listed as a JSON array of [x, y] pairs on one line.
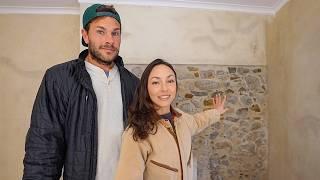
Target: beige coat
[[158, 156]]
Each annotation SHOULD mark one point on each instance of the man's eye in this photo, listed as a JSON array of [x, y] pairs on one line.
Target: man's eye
[[100, 32], [171, 81], [116, 33]]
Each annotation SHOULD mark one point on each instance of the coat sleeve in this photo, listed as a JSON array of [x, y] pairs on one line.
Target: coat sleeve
[[133, 158], [45, 145], [201, 120]]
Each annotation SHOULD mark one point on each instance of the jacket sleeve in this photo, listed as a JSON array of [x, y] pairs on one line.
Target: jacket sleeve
[[133, 157], [45, 145], [201, 120]]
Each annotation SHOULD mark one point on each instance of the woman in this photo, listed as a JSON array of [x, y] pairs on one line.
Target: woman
[[157, 143]]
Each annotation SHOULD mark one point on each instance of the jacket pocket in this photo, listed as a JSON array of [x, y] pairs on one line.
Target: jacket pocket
[[164, 166]]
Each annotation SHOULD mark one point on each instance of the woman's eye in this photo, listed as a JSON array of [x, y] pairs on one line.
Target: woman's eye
[[155, 83], [171, 81]]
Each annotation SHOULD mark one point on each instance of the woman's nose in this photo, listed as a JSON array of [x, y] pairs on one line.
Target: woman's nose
[[164, 87]]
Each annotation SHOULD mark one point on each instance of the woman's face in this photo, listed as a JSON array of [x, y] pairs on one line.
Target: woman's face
[[162, 88]]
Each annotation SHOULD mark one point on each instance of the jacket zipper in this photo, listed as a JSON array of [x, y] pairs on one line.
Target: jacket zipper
[[177, 142], [93, 140]]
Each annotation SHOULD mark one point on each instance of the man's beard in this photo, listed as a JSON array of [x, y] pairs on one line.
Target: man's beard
[[97, 56]]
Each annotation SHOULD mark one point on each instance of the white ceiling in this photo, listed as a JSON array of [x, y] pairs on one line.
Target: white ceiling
[[40, 3], [255, 6]]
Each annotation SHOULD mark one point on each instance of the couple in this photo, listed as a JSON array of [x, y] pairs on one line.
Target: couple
[[81, 110]]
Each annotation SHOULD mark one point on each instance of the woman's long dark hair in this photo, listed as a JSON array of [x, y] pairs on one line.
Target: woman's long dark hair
[[143, 117]]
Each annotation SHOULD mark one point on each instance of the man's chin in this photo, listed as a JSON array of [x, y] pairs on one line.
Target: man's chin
[[108, 61], [105, 61], [110, 57], [102, 57]]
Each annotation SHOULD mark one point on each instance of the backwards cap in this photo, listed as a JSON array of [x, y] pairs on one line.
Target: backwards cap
[[93, 11]]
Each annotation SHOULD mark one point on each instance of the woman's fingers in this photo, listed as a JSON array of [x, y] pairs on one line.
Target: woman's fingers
[[219, 99], [218, 102], [223, 99]]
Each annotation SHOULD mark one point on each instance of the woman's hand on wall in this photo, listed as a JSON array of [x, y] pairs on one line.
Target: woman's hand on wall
[[218, 103]]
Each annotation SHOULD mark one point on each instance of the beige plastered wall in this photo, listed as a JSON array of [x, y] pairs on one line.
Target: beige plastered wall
[[293, 51], [191, 36], [32, 43], [29, 45]]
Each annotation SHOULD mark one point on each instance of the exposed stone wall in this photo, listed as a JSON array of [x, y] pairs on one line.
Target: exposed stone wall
[[235, 148]]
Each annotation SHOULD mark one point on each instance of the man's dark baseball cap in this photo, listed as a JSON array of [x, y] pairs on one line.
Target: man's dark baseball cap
[[93, 11]]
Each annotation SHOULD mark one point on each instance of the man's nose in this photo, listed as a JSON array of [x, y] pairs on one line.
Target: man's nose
[[109, 38]]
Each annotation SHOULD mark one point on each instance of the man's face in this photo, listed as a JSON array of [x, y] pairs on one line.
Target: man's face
[[103, 39]]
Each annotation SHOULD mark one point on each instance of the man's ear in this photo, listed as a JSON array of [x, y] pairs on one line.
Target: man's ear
[[85, 35]]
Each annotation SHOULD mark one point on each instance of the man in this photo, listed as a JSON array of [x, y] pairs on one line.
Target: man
[[81, 107]]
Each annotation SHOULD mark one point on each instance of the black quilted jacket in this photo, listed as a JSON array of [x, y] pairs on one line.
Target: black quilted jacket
[[63, 129]]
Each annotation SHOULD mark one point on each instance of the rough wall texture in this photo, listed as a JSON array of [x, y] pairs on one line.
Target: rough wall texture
[[237, 147]]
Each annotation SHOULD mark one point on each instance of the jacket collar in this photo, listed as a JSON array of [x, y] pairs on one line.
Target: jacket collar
[[82, 74]]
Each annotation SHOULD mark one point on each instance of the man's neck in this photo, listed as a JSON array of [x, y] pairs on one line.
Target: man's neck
[[103, 66]]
